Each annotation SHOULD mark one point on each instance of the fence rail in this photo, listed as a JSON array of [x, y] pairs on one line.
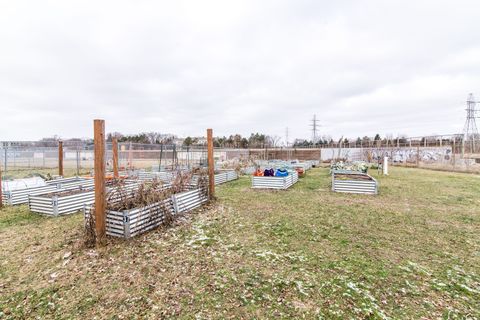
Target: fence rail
[[450, 152]]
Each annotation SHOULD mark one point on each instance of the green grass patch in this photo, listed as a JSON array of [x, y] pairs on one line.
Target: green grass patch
[[18, 216]]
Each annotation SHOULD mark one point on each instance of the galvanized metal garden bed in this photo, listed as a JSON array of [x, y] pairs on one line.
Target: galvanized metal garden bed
[[20, 196], [60, 181], [353, 182], [129, 223], [248, 170], [280, 183], [169, 176], [302, 165], [57, 204], [221, 177], [164, 176]]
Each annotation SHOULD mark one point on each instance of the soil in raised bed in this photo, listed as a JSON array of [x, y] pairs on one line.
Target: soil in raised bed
[[360, 177], [65, 193]]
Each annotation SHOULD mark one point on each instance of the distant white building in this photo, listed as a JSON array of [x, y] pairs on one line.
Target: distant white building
[[201, 140], [178, 141]]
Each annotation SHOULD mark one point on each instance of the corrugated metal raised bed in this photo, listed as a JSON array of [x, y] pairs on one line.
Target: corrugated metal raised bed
[[248, 170], [20, 196], [281, 183], [314, 163], [83, 183], [58, 204], [15, 197], [301, 165], [64, 180], [129, 223], [353, 182], [232, 175], [164, 176], [4, 198], [189, 200], [222, 177]]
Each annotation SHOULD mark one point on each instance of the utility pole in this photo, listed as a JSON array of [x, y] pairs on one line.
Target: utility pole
[[314, 125], [470, 130]]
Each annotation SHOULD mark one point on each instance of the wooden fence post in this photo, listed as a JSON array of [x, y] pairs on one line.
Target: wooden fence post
[[100, 202], [211, 165], [115, 157], [60, 158], [418, 155], [130, 155]]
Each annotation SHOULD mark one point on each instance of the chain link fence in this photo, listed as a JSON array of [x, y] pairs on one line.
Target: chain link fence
[[449, 153], [23, 161]]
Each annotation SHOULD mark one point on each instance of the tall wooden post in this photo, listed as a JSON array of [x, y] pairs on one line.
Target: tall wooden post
[[173, 157], [115, 157], [211, 165], [60, 158], [100, 202], [160, 160]]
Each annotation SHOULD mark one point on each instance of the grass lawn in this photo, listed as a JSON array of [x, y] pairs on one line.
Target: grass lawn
[[411, 252], [29, 172]]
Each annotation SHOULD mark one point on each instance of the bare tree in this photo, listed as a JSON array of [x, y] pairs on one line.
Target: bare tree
[[153, 137], [273, 141]]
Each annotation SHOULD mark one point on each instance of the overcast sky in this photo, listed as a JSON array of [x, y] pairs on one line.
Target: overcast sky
[[399, 67]]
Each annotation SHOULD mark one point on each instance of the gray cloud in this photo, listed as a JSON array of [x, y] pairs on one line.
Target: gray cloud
[[399, 67]]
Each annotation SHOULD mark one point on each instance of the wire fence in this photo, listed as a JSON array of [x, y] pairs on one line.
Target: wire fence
[[20, 161], [450, 153]]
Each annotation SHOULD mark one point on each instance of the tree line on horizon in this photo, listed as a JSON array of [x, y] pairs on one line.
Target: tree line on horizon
[[255, 140]]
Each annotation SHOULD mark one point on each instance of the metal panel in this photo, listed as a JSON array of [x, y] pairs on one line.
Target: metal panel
[[190, 200], [164, 176], [249, 170], [282, 183], [130, 223], [21, 196], [369, 186], [64, 180], [220, 178], [60, 205]]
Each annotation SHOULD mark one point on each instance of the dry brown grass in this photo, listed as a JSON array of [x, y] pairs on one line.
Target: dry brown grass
[[411, 252]]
